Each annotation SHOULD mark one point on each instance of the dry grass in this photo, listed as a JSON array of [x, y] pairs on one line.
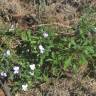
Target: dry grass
[[64, 14], [57, 12]]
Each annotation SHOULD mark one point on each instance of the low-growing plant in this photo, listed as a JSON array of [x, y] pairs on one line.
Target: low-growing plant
[[27, 58]]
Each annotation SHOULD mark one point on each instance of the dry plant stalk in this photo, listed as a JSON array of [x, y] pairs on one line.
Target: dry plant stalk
[[50, 24], [5, 88]]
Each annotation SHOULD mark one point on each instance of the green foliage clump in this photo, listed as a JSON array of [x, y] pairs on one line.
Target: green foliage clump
[[36, 57]]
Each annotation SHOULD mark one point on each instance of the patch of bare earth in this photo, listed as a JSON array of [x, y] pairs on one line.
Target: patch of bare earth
[[1, 93]]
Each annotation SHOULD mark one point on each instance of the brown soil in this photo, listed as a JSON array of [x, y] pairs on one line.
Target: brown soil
[[1, 93]]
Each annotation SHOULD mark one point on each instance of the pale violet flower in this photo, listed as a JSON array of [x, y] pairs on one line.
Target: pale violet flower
[[45, 34], [3, 74], [25, 87], [32, 66], [7, 53], [16, 69], [41, 48]]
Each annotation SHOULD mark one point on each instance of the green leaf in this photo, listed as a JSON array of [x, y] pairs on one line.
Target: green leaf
[[83, 60], [75, 67], [67, 63], [26, 36], [88, 50], [45, 77]]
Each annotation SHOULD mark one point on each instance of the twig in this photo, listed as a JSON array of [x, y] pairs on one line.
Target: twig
[[67, 34], [57, 24], [54, 24]]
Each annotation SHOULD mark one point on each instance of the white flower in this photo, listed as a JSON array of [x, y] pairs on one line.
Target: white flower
[[27, 50], [16, 72], [16, 69], [31, 73], [95, 29], [45, 34], [41, 48], [32, 66], [17, 94], [3, 74], [12, 28], [7, 53], [25, 87]]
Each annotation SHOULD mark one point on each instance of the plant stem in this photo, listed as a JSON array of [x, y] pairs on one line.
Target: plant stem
[[5, 88]]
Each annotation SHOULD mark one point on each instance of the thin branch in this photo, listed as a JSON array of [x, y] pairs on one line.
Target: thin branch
[[71, 34], [54, 24]]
